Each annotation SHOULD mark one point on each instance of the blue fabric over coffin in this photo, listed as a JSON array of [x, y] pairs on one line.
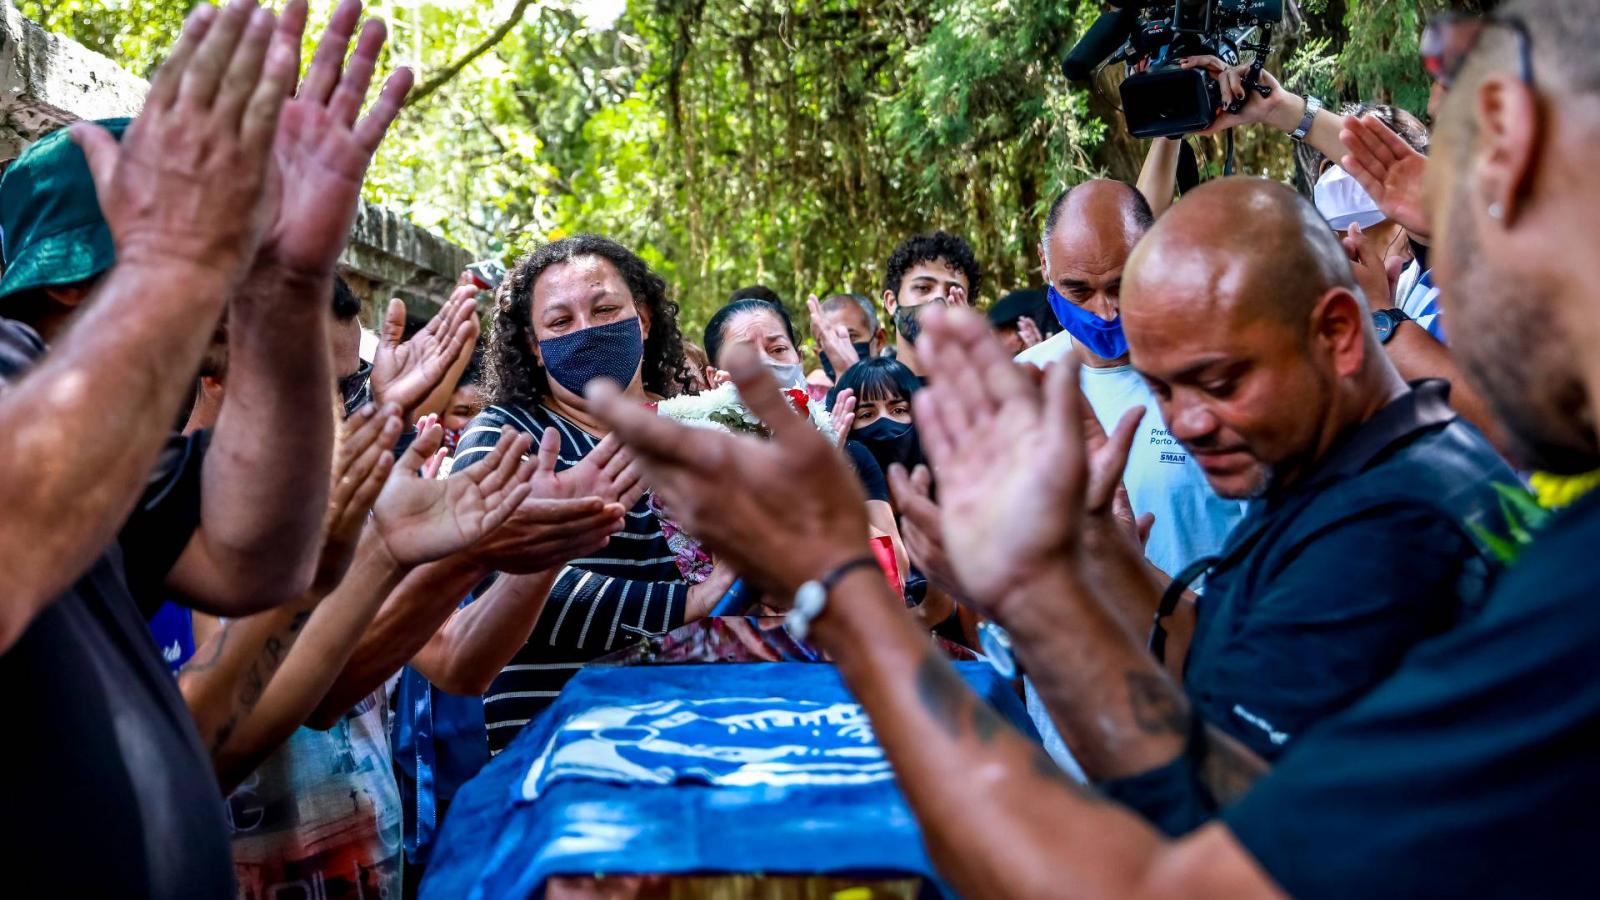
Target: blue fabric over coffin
[[758, 767]]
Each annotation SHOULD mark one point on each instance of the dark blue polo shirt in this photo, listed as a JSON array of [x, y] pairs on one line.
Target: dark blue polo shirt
[[1472, 771], [1324, 587]]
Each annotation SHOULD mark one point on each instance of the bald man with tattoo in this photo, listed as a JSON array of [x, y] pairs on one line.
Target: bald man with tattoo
[[1467, 772]]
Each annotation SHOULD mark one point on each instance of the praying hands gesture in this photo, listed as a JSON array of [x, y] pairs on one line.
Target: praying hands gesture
[[1388, 169], [324, 146], [423, 519], [782, 511], [408, 372]]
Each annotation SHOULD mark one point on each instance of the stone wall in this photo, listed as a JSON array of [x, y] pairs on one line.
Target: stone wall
[[47, 81]]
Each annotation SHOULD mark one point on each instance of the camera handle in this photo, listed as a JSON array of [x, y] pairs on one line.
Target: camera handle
[[1252, 79], [1252, 84]]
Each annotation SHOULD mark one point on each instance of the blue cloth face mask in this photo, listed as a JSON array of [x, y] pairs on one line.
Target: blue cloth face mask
[[610, 351], [1103, 339]]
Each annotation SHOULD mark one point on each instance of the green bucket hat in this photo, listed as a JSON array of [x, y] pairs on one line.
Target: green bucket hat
[[51, 230]]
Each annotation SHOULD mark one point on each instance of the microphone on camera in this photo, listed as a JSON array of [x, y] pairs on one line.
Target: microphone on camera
[[1110, 31]]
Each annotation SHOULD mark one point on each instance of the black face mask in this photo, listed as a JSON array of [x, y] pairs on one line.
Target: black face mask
[[905, 319], [863, 353], [890, 442]]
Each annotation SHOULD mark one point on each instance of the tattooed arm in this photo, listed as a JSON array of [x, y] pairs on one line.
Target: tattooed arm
[[308, 669], [1115, 706], [1009, 824], [1014, 825]]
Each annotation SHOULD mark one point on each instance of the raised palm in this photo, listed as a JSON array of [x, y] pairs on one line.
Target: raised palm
[[1388, 168], [321, 151], [407, 372], [1009, 456]]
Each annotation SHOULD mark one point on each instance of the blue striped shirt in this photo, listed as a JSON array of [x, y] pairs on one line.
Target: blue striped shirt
[[598, 604]]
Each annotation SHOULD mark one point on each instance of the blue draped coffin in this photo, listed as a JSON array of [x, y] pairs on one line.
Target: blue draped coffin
[[739, 768]]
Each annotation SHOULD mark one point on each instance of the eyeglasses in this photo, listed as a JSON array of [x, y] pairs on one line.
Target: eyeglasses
[[1450, 37]]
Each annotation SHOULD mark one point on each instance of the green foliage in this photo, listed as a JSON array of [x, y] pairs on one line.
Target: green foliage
[[788, 142]]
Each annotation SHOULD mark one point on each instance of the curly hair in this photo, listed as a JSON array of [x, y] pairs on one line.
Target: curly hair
[[514, 373], [934, 247]]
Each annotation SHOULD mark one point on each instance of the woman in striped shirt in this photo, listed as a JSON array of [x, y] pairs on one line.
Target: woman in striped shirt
[[573, 311]]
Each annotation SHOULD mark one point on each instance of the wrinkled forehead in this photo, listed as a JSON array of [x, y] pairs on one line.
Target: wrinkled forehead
[[753, 325]]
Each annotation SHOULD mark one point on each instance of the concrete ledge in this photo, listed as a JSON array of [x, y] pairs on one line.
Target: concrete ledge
[[48, 81]]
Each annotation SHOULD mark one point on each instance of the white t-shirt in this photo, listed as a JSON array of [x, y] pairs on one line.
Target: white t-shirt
[[1191, 520], [1161, 478]]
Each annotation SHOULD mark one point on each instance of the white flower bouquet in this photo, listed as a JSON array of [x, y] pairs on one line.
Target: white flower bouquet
[[720, 409]]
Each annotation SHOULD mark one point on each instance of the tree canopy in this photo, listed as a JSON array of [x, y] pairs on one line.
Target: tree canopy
[[786, 142]]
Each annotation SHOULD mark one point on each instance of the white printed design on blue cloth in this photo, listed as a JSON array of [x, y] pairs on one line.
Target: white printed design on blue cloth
[[730, 742]]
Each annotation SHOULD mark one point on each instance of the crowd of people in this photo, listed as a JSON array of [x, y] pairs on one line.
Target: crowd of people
[[1234, 484]]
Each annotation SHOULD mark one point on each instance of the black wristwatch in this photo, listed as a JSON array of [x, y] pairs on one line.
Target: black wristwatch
[[1385, 321]]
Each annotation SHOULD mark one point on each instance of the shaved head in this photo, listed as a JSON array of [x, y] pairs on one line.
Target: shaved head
[[1261, 242], [1244, 316]]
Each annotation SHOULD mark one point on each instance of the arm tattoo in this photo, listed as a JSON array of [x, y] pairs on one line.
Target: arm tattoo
[[1229, 768], [960, 712], [254, 682], [217, 642], [1157, 704]]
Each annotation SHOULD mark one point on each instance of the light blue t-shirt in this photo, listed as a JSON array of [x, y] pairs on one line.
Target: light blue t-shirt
[[1161, 478]]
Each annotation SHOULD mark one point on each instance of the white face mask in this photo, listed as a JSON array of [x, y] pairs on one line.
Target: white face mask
[[788, 375]]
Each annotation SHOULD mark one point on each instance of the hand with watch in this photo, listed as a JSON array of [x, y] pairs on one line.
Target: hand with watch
[[1387, 321]]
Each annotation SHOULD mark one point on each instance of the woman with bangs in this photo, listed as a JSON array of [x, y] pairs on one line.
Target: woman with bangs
[[886, 433]]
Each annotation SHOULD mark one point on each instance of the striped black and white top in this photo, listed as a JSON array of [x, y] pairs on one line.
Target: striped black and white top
[[598, 604]]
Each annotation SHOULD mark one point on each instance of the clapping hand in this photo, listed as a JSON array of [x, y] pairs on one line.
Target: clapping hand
[[186, 185], [1389, 169], [1109, 513], [920, 526], [1010, 453], [844, 415], [1028, 332], [781, 511], [832, 340], [609, 472], [407, 372], [566, 514], [421, 519], [362, 461], [323, 146]]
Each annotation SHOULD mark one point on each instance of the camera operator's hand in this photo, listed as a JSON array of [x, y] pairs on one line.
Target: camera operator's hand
[[1280, 109]]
